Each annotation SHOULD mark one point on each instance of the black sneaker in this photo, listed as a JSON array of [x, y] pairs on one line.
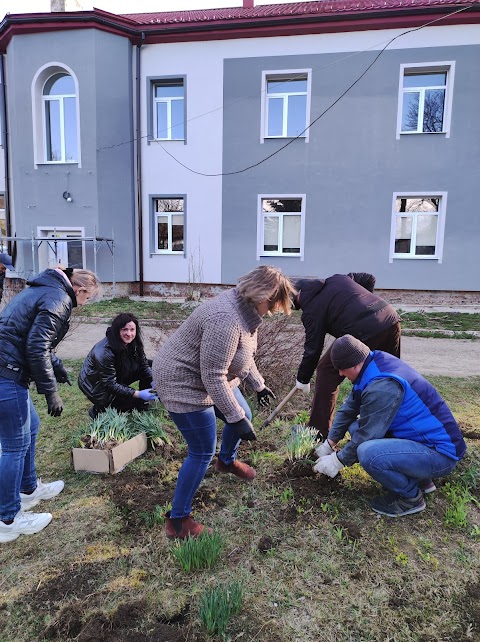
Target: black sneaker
[[394, 505]]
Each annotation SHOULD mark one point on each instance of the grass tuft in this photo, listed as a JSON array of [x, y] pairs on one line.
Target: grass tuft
[[218, 605], [197, 553]]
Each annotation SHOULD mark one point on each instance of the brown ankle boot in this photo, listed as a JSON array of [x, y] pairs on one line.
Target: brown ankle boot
[[237, 468], [182, 527]]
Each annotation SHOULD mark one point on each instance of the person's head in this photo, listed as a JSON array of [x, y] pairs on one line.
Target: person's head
[[125, 331], [348, 355], [268, 289], [85, 284]]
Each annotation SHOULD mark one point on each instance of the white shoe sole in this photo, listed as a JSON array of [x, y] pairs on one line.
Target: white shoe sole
[[27, 504]]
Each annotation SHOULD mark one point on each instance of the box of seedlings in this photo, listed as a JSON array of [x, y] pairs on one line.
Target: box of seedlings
[[112, 440]]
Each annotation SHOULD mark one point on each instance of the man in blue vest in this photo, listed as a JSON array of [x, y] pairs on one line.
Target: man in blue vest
[[402, 431]]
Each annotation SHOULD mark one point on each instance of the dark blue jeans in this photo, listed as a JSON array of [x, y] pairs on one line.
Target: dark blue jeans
[[398, 464], [199, 429], [18, 435]]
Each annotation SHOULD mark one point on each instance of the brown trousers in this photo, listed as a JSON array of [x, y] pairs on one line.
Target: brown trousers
[[328, 379]]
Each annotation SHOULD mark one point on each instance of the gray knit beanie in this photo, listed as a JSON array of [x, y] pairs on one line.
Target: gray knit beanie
[[348, 352]]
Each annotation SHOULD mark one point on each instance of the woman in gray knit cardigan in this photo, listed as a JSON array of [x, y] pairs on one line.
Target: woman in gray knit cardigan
[[197, 372]]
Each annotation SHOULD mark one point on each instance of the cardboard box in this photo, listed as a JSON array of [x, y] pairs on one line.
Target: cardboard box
[[112, 460]]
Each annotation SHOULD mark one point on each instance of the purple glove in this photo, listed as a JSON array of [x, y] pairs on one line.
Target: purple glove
[[147, 395]]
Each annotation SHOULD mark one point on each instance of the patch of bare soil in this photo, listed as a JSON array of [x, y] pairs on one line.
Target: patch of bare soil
[[135, 494], [77, 581], [125, 624]]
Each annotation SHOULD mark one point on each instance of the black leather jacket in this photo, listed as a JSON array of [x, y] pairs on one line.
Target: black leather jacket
[[107, 373], [32, 324], [341, 304]]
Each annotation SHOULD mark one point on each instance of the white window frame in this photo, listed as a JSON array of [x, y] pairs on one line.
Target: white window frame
[[38, 114], [281, 74], [442, 208], [427, 67], [261, 228], [168, 102], [62, 234], [60, 98], [169, 223]]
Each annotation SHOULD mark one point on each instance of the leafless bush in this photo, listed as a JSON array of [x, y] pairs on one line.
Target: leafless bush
[[280, 349]]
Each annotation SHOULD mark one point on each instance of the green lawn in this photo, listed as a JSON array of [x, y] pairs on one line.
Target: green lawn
[[331, 571]]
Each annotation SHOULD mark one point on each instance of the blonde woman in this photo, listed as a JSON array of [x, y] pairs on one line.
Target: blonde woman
[[31, 325], [197, 373]]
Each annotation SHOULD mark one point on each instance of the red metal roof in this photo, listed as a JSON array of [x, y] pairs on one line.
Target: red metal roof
[[319, 7]]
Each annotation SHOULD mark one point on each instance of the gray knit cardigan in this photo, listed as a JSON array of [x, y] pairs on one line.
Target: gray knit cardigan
[[209, 355]]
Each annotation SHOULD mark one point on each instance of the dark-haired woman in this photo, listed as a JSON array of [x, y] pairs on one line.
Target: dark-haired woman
[[113, 364]]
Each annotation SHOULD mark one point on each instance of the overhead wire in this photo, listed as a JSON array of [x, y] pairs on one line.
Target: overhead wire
[[315, 120]]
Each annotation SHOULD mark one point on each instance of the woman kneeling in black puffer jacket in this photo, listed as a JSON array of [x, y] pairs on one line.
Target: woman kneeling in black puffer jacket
[[113, 364]]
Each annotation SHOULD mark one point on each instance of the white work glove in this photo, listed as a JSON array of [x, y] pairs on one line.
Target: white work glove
[[324, 449], [330, 465], [304, 387]]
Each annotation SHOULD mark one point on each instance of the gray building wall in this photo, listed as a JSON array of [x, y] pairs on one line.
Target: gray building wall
[[352, 166], [103, 187]]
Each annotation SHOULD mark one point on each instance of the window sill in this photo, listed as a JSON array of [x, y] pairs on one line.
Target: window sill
[[167, 140], [167, 253], [287, 255], [415, 258], [76, 162], [421, 133], [285, 138]]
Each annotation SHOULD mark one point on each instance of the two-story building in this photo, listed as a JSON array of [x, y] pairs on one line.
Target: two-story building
[[321, 137]]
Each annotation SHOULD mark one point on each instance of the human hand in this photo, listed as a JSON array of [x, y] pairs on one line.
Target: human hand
[[146, 395], [324, 449], [61, 375], [304, 387], [244, 430], [329, 465], [54, 404], [263, 397]]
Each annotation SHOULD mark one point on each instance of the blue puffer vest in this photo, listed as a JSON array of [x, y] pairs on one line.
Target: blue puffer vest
[[423, 415]]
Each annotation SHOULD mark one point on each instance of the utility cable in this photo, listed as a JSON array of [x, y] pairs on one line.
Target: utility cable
[[280, 149]]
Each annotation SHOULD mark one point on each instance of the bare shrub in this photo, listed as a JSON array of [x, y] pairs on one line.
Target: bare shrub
[[280, 350]]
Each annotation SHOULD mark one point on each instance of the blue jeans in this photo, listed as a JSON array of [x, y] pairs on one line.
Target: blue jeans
[[199, 429], [18, 435], [398, 464]]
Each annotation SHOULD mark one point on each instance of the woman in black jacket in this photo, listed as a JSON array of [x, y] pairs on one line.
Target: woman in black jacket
[[113, 364], [31, 326]]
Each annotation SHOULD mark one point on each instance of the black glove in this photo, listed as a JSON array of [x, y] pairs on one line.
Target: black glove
[[244, 430], [61, 375], [54, 403], [263, 397]]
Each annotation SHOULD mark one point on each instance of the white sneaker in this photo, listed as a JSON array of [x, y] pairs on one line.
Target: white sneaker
[[42, 491], [24, 524]]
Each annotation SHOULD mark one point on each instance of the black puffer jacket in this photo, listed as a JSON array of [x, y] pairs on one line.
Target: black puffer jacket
[[31, 325], [107, 373], [339, 305]]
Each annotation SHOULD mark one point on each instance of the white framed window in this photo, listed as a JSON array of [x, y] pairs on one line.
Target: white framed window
[[286, 103], [169, 225], [281, 225], [418, 224], [60, 119], [56, 118], [62, 245], [425, 98], [169, 109]]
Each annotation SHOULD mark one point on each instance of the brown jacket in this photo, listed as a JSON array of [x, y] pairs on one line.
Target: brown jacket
[[209, 355]]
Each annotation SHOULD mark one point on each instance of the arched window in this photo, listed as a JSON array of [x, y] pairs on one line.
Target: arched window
[[60, 119]]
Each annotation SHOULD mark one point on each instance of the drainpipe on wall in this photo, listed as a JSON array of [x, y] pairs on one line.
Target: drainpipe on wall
[[139, 169], [4, 134]]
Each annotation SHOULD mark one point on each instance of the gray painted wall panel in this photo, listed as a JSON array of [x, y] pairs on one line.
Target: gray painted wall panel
[[352, 166], [102, 188]]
